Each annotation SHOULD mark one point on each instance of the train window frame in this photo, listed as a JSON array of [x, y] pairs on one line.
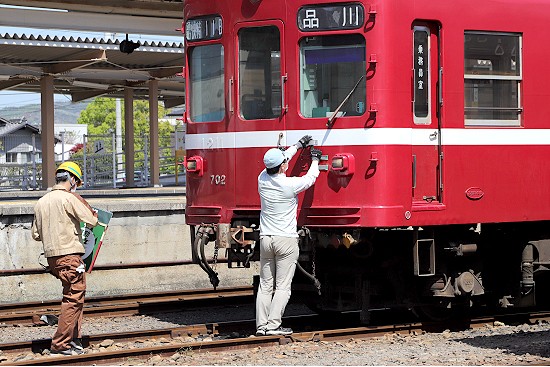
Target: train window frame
[[322, 108], [493, 82], [195, 100], [266, 98]]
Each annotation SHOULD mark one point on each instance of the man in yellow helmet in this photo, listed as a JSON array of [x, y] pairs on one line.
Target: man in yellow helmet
[[57, 217]]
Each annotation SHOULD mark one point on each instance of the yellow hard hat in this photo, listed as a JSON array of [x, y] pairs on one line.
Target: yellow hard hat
[[73, 168]]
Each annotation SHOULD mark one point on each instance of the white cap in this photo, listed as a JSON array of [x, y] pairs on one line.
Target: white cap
[[273, 157]]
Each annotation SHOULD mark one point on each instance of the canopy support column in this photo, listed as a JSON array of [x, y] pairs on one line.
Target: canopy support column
[[47, 131]]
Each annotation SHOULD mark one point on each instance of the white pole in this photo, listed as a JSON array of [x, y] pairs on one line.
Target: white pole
[[118, 132], [63, 146]]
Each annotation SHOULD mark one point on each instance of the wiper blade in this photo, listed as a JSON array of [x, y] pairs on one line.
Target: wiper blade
[[333, 116]]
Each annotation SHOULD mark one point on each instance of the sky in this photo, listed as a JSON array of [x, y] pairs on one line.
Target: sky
[[12, 98], [16, 99]]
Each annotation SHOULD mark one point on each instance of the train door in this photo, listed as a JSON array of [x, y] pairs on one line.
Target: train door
[[260, 109], [427, 156]]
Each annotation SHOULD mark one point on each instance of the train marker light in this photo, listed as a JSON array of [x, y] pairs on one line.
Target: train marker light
[[337, 163], [343, 164], [194, 165]]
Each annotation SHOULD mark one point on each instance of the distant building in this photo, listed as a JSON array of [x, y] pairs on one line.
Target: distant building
[[74, 133], [16, 142], [70, 135]]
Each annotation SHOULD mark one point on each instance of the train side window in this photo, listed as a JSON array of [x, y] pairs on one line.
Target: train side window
[[492, 79], [206, 91], [330, 67], [260, 73]]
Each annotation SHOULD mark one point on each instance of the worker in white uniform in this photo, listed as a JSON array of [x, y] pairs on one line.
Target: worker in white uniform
[[278, 234]]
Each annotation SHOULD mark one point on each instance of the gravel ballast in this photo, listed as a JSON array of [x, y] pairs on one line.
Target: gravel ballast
[[496, 344]]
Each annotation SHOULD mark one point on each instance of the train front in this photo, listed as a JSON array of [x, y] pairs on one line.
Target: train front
[[262, 75], [245, 94]]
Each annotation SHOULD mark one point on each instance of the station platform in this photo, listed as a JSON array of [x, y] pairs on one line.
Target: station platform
[[146, 248], [114, 200], [93, 193]]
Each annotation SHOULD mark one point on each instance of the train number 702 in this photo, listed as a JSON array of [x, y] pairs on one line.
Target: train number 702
[[217, 179]]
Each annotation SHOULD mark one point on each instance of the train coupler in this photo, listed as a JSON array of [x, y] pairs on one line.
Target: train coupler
[[242, 247]]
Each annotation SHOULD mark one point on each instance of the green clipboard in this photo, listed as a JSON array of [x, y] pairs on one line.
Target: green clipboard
[[92, 238]]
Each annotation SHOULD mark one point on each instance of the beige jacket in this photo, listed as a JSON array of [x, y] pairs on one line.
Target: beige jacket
[[57, 217]]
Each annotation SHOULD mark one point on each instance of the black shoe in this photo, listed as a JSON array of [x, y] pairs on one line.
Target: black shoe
[[76, 343], [279, 331], [67, 352], [49, 319]]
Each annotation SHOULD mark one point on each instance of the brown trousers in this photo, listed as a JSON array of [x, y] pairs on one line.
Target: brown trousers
[[74, 289]]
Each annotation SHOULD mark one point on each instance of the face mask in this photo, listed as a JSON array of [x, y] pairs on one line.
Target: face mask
[[73, 185]]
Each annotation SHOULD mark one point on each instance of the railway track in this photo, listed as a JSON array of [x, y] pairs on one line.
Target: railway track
[[127, 305], [224, 338]]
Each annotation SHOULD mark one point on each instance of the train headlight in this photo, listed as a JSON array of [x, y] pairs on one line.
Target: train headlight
[[343, 164], [194, 165]]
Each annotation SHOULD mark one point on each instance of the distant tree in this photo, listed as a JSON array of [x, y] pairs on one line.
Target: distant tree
[[76, 148], [100, 116]]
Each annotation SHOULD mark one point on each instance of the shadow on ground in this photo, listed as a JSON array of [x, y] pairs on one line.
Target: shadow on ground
[[521, 342]]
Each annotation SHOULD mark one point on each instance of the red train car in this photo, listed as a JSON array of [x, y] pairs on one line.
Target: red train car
[[433, 119]]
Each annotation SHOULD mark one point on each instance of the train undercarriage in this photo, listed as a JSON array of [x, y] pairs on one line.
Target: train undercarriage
[[436, 272]]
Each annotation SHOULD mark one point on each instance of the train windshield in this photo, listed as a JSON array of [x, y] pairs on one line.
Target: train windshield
[[260, 72], [206, 90], [330, 67]]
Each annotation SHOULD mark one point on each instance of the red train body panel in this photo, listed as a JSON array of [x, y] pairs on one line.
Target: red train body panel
[[446, 130]]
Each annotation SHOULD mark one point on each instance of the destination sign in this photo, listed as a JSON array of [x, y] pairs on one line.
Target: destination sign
[[202, 29], [421, 70], [331, 17]]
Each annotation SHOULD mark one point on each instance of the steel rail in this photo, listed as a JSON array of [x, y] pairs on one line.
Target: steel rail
[[37, 346], [211, 329], [141, 303], [123, 355]]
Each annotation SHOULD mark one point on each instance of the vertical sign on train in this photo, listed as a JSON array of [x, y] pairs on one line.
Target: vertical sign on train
[[421, 69]]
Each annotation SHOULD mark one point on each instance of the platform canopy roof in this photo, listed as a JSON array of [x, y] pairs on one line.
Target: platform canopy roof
[[149, 8], [88, 67]]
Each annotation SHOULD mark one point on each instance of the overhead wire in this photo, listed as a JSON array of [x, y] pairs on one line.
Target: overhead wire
[[132, 71]]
